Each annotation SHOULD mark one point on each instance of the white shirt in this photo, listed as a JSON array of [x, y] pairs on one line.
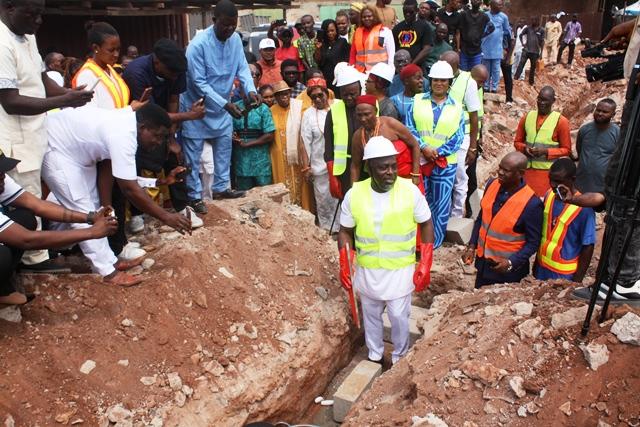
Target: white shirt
[[21, 67], [389, 44], [377, 283], [471, 98], [88, 135], [312, 132], [101, 96], [11, 192], [56, 77], [518, 46], [632, 50]]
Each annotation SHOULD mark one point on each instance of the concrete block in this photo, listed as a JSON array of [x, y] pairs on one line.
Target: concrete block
[[459, 230], [474, 201], [417, 316], [353, 386]]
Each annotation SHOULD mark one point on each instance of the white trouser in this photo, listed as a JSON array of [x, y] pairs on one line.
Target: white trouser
[[462, 182], [398, 311], [206, 170], [325, 203], [30, 182], [75, 187]]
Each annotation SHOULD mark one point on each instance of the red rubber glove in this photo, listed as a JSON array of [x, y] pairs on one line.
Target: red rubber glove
[[335, 188], [345, 273], [422, 275]]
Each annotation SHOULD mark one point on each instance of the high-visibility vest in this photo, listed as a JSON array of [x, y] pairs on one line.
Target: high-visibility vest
[[497, 237], [541, 138], [369, 52], [481, 110], [118, 90], [447, 126], [340, 137], [553, 236], [457, 91], [393, 244]]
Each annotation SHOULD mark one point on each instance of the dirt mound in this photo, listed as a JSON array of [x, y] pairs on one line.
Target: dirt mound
[[508, 355], [244, 320]]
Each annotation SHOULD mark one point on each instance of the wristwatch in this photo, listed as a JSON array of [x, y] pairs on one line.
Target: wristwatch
[[510, 266], [91, 217]]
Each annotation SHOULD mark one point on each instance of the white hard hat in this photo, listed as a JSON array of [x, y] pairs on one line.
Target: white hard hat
[[267, 44], [379, 146], [441, 70], [346, 75], [384, 70]]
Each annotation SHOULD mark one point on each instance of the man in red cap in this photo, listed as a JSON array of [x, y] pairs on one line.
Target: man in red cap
[[413, 82]]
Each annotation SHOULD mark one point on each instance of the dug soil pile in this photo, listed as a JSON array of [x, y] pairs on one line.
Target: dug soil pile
[[244, 320]]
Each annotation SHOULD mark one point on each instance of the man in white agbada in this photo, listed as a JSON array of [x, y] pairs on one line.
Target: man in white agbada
[[79, 139], [379, 216]]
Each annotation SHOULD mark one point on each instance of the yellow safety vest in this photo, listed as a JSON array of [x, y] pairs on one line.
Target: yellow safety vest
[[541, 138], [340, 137], [391, 244], [457, 92], [119, 90], [447, 126], [553, 236]]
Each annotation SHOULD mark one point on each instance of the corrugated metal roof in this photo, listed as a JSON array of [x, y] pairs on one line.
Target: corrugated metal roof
[[147, 7]]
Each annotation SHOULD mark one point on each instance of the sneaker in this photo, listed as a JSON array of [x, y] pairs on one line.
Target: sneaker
[[228, 194], [136, 224], [621, 295], [198, 206], [196, 221], [130, 252], [50, 266]]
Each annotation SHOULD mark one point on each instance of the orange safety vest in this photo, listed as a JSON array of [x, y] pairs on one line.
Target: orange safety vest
[[119, 90], [497, 238], [368, 52], [553, 235]]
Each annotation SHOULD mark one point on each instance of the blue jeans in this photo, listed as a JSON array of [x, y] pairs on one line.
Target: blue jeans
[[493, 65], [192, 149], [468, 62]]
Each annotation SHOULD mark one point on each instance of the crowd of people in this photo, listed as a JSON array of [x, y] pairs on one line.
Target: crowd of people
[[372, 124]]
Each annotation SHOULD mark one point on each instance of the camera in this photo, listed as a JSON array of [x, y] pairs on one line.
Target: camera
[[612, 69]]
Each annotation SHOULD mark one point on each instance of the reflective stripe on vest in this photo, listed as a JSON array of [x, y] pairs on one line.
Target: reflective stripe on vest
[[497, 238], [541, 138], [119, 90], [457, 91], [369, 52], [340, 137], [447, 125], [391, 242], [553, 235], [481, 110]]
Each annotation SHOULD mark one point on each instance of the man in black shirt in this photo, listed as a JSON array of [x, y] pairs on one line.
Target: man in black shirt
[[412, 34], [532, 39], [450, 16], [474, 25]]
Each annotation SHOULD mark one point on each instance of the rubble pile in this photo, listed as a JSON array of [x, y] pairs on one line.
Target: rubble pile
[[510, 355], [242, 321]]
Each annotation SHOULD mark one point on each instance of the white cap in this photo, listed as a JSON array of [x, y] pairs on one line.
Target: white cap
[[379, 146], [346, 75], [441, 70], [266, 44], [383, 70]]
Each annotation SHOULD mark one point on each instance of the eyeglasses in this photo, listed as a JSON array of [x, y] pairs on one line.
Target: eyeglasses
[[317, 96]]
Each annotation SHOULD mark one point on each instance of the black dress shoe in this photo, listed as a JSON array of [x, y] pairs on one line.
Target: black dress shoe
[[198, 206], [228, 194], [50, 266]]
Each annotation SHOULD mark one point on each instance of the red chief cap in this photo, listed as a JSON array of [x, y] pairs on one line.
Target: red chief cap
[[367, 99], [317, 82], [409, 70]]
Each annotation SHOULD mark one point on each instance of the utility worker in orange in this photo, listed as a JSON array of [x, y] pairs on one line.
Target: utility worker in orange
[[543, 136], [507, 231], [372, 42], [568, 231]]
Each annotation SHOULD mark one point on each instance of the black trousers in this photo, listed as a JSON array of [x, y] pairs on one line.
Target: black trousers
[[508, 80], [533, 59], [471, 186], [572, 49], [10, 256]]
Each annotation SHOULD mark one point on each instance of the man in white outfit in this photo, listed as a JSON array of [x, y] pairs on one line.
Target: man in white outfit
[[379, 217], [78, 140]]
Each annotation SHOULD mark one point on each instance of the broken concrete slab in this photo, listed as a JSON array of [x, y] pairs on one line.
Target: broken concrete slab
[[474, 201], [595, 354], [353, 386], [417, 316], [459, 230], [569, 318], [627, 329]]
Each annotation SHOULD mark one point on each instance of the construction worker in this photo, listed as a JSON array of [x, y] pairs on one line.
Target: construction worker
[[379, 217], [543, 136], [339, 126], [568, 231], [437, 122], [507, 230], [464, 92]]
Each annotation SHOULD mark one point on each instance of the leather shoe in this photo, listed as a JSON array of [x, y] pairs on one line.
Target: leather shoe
[[123, 279], [228, 194], [14, 298]]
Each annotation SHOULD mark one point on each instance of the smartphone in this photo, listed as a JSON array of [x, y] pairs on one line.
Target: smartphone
[[146, 94], [559, 194], [281, 22], [381, 41]]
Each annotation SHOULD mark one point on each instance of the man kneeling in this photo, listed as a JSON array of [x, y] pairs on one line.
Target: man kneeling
[[18, 224], [380, 214]]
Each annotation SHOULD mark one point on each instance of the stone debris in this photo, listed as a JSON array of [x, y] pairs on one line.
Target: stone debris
[[318, 399], [322, 292], [595, 354], [226, 273], [327, 402], [569, 318], [516, 384], [530, 328], [522, 411], [126, 323], [180, 399], [149, 380], [118, 414], [11, 314], [201, 300], [493, 310], [565, 408], [175, 382], [87, 367], [483, 372], [65, 417], [627, 329], [522, 308], [123, 362], [148, 263], [431, 420], [214, 368], [9, 421]]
